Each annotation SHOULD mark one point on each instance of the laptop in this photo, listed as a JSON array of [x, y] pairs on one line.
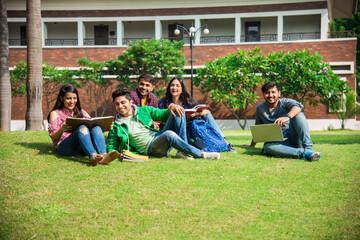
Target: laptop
[[267, 133]]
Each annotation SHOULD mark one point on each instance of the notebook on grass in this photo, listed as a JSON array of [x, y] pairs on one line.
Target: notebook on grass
[[132, 157], [267, 133]]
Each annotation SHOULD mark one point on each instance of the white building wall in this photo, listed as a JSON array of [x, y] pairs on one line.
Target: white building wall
[[139, 29], [61, 30], [220, 27], [306, 23]]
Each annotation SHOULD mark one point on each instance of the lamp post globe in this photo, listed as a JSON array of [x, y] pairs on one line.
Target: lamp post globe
[[191, 33]]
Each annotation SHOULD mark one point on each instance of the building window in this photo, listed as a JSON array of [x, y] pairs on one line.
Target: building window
[[101, 35], [252, 31]]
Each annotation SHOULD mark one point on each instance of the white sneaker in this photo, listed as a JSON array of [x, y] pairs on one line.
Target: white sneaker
[[210, 155], [180, 154]]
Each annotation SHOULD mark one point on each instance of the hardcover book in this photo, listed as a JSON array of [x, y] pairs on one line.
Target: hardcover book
[[197, 108], [103, 122]]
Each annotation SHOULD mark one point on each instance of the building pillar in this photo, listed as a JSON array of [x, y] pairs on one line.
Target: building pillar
[[324, 29], [80, 33], [280, 28], [119, 32], [158, 29], [198, 34], [237, 30]]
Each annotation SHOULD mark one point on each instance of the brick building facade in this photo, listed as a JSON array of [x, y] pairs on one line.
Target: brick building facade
[[279, 25]]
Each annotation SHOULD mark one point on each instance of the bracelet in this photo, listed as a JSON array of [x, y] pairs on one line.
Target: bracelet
[[288, 115]]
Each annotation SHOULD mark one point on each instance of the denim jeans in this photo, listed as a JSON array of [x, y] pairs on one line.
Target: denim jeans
[[298, 139], [83, 142], [208, 118], [173, 134]]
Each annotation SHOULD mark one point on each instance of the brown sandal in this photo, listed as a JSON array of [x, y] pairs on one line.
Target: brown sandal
[[95, 159], [109, 157]]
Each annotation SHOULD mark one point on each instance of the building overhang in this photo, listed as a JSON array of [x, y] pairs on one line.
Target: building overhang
[[341, 8]]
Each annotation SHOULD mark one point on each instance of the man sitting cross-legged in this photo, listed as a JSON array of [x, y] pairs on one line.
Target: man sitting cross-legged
[[133, 130], [287, 113]]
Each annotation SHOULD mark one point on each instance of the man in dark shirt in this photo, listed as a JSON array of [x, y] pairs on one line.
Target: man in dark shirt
[[142, 95], [287, 113]]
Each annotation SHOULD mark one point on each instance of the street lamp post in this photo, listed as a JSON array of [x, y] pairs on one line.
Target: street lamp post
[[192, 33]]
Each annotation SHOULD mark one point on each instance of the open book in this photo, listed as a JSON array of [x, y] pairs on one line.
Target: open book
[[197, 108], [132, 157], [103, 122]]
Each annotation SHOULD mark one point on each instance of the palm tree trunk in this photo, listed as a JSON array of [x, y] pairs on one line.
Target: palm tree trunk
[[5, 86], [34, 116]]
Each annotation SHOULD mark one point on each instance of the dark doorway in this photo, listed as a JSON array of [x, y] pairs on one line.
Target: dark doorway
[[101, 35], [22, 35], [252, 31], [172, 35]]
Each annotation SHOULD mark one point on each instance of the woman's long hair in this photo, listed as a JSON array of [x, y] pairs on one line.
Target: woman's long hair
[[184, 96], [67, 88]]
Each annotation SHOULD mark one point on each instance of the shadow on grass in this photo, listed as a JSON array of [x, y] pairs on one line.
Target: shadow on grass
[[48, 149]]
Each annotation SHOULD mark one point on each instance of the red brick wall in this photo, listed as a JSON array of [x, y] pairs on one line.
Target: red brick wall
[[332, 51]]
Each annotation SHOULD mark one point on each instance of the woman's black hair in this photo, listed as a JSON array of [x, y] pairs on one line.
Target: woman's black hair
[[67, 88], [184, 96]]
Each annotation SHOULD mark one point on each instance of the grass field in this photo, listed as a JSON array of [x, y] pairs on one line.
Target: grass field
[[241, 196]]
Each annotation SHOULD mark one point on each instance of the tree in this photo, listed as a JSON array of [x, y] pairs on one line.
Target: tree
[[5, 88], [233, 81], [353, 24], [161, 58], [52, 80], [98, 88], [304, 77], [34, 115], [347, 108]]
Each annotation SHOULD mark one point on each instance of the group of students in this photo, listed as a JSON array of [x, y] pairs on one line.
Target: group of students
[[150, 127]]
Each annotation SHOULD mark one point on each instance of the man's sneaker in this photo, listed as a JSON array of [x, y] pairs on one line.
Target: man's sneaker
[[312, 156], [231, 148], [210, 155], [180, 154]]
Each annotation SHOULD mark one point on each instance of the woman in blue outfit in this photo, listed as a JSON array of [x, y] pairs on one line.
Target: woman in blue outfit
[[177, 93]]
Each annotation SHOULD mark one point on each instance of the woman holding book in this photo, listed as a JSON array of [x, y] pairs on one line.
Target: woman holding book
[[177, 93], [79, 141]]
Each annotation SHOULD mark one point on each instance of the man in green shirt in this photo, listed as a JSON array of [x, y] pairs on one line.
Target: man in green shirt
[[134, 130]]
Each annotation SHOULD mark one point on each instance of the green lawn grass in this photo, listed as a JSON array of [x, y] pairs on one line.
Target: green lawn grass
[[241, 196]]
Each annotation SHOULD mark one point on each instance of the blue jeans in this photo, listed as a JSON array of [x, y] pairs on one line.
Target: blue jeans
[[83, 142], [173, 134], [298, 139]]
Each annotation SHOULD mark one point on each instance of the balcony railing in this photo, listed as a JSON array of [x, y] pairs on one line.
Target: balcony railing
[[259, 38], [341, 34], [126, 41], [61, 42], [217, 39], [186, 39], [301, 36], [17, 42], [100, 41]]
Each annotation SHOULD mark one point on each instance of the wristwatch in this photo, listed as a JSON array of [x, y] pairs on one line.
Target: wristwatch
[[288, 115]]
